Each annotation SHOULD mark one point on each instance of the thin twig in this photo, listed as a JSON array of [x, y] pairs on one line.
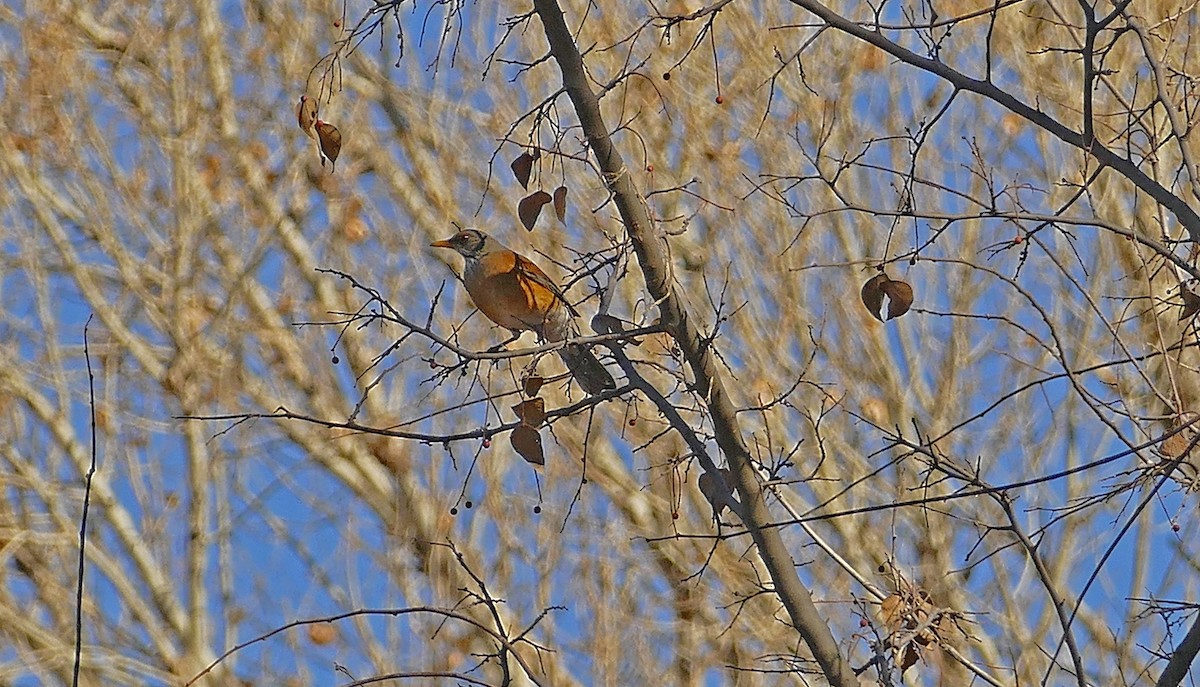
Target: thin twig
[[87, 494]]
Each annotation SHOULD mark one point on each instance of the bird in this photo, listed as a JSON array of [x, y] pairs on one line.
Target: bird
[[516, 294]]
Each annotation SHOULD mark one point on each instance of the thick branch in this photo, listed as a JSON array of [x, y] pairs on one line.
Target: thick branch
[[650, 245], [1183, 656]]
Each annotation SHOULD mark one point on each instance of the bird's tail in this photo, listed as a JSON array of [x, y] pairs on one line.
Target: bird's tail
[[588, 371]]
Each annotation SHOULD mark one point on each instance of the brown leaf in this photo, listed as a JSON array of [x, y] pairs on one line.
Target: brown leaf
[[560, 203], [719, 497], [533, 384], [1191, 304], [522, 168], [1178, 443], [891, 610], [532, 412], [306, 115], [530, 207], [354, 229], [900, 297], [528, 442], [603, 323], [872, 295], [322, 633], [1174, 445], [908, 657], [331, 141]]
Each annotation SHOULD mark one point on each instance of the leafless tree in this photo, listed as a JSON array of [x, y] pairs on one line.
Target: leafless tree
[[303, 431]]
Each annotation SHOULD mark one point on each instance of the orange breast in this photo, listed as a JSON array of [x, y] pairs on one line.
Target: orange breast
[[509, 290]]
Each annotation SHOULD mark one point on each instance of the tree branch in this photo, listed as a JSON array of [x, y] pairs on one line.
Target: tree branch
[[651, 248], [1123, 166], [1183, 656]]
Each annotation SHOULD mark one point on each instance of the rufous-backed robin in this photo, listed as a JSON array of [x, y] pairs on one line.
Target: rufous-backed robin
[[517, 295]]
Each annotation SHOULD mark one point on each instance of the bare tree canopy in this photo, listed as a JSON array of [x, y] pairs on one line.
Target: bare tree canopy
[[805, 343]]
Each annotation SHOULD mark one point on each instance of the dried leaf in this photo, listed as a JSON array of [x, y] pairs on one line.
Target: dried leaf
[[900, 297], [1191, 304], [898, 294], [872, 295], [354, 229], [533, 384], [603, 323], [528, 443], [306, 115], [522, 168], [331, 141], [891, 610], [560, 203], [1174, 445], [908, 657], [531, 412], [530, 207], [322, 633], [1178, 443], [719, 496]]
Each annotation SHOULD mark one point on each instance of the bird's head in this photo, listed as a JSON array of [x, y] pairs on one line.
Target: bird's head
[[470, 243]]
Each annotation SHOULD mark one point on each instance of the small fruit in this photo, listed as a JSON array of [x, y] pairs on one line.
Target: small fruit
[[720, 100]]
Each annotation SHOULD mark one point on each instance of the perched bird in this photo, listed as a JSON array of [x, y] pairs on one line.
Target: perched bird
[[517, 295]]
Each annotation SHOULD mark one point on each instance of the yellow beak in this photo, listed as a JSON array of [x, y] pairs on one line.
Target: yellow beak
[[445, 243]]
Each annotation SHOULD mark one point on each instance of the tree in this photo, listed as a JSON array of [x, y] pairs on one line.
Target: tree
[[996, 486]]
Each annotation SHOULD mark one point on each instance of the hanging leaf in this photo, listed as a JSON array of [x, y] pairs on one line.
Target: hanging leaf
[[872, 295], [1191, 304], [900, 297], [1178, 443], [891, 610], [908, 657], [880, 288], [1174, 445], [522, 168], [533, 384], [354, 229], [532, 412], [530, 207], [528, 443], [331, 142], [322, 634], [560, 203], [306, 115], [719, 496]]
